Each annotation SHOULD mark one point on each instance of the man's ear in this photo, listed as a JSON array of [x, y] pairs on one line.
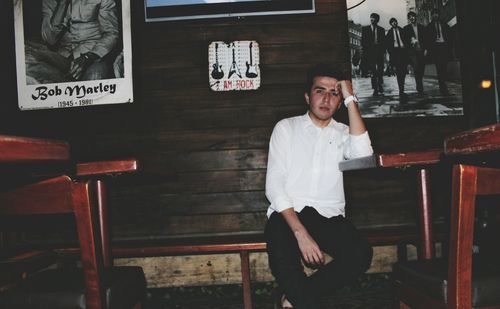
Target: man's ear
[[306, 96]]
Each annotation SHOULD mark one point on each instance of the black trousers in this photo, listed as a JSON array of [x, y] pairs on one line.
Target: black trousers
[[440, 56], [399, 60], [336, 236], [417, 61]]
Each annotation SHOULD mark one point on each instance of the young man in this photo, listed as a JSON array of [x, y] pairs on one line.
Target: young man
[[439, 47], [372, 44], [306, 191], [395, 42], [414, 33]]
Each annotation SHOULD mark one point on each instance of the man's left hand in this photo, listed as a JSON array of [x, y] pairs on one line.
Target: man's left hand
[[346, 88], [81, 64]]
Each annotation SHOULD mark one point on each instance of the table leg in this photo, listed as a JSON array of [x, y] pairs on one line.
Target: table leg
[[245, 278]]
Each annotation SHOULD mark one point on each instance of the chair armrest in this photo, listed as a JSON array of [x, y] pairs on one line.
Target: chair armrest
[[17, 149], [406, 159], [107, 168], [484, 139]]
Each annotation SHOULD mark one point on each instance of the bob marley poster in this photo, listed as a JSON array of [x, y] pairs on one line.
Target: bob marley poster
[[72, 53]]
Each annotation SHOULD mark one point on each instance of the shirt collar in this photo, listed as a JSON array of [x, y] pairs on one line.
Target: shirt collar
[[308, 123]]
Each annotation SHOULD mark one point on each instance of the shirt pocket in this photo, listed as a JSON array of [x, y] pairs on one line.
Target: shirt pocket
[[334, 154], [89, 10]]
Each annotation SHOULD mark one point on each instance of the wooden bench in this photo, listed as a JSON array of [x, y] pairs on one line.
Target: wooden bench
[[242, 245]]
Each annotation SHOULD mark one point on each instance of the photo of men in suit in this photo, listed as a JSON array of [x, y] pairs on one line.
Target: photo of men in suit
[[404, 57], [438, 44], [372, 44], [414, 34], [397, 49]]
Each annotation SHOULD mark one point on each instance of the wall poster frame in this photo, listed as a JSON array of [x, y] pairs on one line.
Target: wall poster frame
[[396, 73], [71, 54]]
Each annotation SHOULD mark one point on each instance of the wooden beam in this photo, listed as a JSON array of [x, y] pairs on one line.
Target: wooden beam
[[14, 149]]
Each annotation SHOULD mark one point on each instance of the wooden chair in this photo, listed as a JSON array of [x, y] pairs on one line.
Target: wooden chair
[[463, 280], [93, 285], [96, 285]]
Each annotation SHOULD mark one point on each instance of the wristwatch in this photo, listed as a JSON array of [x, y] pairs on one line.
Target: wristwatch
[[349, 99]]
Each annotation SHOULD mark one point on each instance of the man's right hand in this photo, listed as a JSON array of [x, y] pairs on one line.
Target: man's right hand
[[311, 253]]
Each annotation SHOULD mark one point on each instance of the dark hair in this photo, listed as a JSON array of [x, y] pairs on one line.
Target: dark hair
[[375, 15], [323, 69], [392, 19], [411, 13]]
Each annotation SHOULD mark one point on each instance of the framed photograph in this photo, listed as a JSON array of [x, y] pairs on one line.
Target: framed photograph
[[404, 57], [72, 53]]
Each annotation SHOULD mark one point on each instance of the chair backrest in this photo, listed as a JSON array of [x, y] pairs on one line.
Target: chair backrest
[[468, 183], [62, 195]]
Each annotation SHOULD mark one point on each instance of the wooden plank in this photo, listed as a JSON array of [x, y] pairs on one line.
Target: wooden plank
[[193, 204], [233, 117], [270, 53], [47, 197], [478, 140], [100, 168], [215, 269], [244, 159], [154, 225], [209, 182], [107, 167], [407, 159], [14, 149], [280, 29]]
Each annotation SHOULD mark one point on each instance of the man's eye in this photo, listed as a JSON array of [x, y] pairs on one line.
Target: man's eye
[[334, 93]]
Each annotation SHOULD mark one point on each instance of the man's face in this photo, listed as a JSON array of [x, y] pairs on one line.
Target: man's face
[[324, 99], [394, 23], [373, 21], [412, 19]]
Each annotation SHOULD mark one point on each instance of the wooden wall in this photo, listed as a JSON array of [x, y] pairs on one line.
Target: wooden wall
[[205, 153]]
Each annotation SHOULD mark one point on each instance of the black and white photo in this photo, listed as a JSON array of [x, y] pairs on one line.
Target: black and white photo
[[72, 53], [405, 57]]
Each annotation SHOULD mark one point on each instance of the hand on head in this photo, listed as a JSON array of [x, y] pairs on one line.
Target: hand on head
[[345, 87]]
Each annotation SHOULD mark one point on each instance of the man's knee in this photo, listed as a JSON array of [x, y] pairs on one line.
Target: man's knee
[[98, 70], [363, 256], [359, 256]]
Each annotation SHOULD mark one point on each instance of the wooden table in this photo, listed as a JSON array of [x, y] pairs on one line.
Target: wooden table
[[14, 149], [421, 160], [475, 141]]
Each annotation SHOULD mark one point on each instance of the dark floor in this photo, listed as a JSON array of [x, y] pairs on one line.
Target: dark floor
[[370, 292]]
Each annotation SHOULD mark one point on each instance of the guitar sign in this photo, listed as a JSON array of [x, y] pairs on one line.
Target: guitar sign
[[234, 66], [251, 68], [217, 72], [226, 61]]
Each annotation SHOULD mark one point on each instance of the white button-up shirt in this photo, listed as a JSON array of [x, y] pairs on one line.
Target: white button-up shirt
[[302, 167]]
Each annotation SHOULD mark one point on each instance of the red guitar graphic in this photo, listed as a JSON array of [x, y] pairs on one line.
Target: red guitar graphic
[[217, 72], [251, 68]]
